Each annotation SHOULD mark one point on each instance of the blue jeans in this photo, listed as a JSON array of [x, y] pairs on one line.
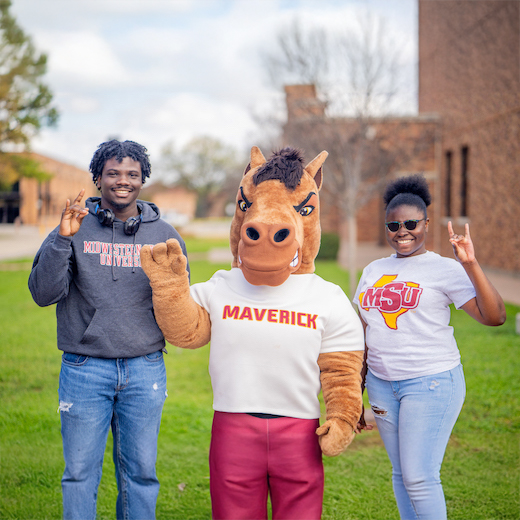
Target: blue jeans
[[415, 418], [127, 395]]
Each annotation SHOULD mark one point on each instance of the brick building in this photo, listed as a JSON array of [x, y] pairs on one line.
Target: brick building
[[41, 203], [177, 204], [469, 122], [395, 146], [469, 74]]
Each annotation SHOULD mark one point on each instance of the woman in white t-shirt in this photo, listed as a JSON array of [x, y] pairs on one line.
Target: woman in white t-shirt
[[414, 377]]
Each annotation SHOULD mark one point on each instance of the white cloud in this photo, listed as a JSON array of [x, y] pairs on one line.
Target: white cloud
[[57, 14], [184, 116], [157, 70], [83, 58], [78, 104]]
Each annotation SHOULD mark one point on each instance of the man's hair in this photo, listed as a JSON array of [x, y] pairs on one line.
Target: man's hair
[[119, 150]]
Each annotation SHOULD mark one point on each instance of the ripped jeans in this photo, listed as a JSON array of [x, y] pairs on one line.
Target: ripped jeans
[[415, 418], [126, 395]]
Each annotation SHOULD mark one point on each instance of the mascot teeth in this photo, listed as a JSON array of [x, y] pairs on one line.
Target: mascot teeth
[[294, 262]]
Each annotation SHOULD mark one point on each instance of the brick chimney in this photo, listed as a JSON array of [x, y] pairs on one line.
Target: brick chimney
[[302, 102]]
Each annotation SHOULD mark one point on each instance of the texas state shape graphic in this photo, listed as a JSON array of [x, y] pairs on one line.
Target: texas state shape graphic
[[391, 298]]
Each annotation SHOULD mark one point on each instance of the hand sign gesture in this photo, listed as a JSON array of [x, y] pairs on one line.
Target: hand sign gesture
[[462, 245], [72, 216]]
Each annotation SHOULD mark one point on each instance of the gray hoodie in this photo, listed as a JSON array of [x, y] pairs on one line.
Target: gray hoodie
[[104, 300]]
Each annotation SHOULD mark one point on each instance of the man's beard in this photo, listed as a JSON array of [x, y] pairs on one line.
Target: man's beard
[[119, 205]]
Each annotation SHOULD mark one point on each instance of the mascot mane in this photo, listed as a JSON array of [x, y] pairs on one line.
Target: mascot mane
[[285, 165]]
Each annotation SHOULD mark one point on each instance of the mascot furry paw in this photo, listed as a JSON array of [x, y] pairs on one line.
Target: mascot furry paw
[[279, 334]]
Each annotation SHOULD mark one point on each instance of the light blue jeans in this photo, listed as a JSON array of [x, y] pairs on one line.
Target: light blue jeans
[[127, 395], [415, 418]]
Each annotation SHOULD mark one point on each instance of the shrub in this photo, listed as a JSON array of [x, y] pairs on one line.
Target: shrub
[[329, 246]]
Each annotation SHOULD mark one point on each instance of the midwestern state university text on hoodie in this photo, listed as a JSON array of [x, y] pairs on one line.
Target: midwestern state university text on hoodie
[[104, 300]]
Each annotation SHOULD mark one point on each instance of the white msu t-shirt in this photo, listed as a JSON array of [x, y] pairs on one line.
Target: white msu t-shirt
[[405, 304]]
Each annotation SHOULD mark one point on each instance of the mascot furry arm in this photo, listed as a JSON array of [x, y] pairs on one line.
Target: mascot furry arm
[[340, 374], [183, 322], [186, 324]]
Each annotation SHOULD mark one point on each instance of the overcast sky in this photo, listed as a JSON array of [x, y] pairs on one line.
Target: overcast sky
[[156, 71]]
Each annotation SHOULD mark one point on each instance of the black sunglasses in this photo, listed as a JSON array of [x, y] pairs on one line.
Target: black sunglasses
[[395, 225]]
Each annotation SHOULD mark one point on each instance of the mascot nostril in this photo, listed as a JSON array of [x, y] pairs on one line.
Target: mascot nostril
[[279, 335], [281, 235], [252, 233]]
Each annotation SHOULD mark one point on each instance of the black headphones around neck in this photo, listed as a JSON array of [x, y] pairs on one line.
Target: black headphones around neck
[[106, 217]]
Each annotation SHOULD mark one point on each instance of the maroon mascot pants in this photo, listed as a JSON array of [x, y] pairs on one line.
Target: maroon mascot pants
[[252, 457]]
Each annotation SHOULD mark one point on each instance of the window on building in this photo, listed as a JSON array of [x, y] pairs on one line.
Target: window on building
[[448, 183], [464, 182]]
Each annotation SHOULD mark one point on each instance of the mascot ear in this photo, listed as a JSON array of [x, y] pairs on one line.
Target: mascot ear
[[257, 159], [314, 168]]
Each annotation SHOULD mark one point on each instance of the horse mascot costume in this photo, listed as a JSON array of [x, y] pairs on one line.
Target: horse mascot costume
[[279, 333]]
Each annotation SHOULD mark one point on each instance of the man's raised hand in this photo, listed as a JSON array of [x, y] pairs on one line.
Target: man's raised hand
[[72, 216]]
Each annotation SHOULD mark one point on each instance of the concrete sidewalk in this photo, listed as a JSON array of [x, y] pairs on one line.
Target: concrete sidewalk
[[24, 241], [18, 242]]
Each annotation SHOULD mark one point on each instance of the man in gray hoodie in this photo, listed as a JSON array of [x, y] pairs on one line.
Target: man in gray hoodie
[[112, 372]]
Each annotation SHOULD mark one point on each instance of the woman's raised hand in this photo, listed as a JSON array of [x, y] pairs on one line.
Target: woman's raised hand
[[462, 245]]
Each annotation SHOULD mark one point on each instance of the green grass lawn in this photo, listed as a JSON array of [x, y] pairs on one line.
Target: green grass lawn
[[480, 472]]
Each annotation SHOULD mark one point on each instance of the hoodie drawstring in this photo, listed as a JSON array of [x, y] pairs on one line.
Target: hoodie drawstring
[[114, 277], [93, 206], [133, 250]]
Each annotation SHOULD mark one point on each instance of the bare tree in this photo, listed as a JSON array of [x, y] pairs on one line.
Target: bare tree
[[367, 66], [301, 55], [356, 75]]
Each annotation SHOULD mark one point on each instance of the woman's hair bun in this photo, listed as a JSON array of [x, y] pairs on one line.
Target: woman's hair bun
[[413, 184]]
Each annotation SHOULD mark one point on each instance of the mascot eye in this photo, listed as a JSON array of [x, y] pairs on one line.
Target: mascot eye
[[306, 211], [242, 205]]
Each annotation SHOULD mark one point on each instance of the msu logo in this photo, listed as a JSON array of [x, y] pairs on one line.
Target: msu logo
[[391, 298]]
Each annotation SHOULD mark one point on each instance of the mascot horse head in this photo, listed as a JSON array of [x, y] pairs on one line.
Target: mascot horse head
[[276, 227]]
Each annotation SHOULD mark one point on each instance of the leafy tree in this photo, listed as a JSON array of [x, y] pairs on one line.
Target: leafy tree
[[25, 102], [204, 165], [14, 166]]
